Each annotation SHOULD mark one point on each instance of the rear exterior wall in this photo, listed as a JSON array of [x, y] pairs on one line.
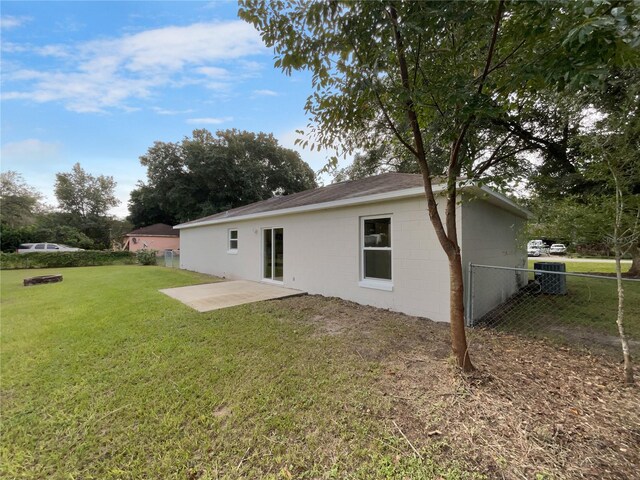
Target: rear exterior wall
[[322, 255], [322, 252]]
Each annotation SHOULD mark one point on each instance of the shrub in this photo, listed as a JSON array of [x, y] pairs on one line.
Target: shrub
[[12, 261], [11, 238], [147, 257]]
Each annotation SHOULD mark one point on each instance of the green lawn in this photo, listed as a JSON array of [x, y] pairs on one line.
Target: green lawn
[[586, 267], [590, 303], [103, 377]]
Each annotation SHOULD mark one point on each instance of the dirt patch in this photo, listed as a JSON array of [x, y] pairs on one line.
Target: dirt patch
[[532, 410], [222, 412], [586, 337]]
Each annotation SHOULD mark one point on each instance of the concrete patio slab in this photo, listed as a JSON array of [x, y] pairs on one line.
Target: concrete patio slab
[[213, 296]]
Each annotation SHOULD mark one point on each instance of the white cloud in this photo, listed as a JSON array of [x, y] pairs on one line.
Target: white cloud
[[32, 149], [265, 93], [165, 111], [209, 120], [11, 21], [103, 74], [214, 72], [10, 47]]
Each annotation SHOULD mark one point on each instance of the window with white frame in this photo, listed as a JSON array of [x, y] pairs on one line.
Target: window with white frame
[[233, 240], [376, 249]]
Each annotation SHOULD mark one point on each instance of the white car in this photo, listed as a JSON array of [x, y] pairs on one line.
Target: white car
[[533, 252], [557, 249], [46, 247]]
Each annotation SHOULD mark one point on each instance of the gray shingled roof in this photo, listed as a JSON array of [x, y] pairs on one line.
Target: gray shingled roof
[[386, 182], [155, 230]]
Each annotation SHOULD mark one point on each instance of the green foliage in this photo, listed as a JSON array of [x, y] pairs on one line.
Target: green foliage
[[12, 237], [45, 230], [360, 99], [84, 195], [19, 203], [147, 257], [582, 210], [13, 261], [206, 174]]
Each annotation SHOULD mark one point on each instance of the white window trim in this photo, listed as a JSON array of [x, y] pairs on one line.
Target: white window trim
[[386, 285], [232, 251], [375, 283]]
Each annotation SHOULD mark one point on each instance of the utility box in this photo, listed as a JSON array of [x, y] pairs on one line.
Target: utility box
[[551, 283]]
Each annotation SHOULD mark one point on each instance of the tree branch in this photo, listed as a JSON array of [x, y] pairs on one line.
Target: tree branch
[[492, 45], [484, 166], [453, 170], [502, 62], [432, 206]]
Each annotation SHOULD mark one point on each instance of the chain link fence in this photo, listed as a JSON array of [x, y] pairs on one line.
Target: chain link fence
[[573, 308], [172, 258]]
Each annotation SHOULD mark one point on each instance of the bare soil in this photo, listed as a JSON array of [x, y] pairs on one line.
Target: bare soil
[[531, 410]]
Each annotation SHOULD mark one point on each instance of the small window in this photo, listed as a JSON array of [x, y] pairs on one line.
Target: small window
[[39, 246], [51, 246], [233, 240], [376, 250]]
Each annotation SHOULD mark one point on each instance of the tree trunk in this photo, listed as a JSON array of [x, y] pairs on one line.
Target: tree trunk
[[634, 270], [456, 313], [628, 366]]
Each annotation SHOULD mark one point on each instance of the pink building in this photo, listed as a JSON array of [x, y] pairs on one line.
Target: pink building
[[159, 236]]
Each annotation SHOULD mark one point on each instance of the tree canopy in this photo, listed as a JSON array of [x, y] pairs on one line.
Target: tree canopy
[[84, 201], [205, 174], [83, 195]]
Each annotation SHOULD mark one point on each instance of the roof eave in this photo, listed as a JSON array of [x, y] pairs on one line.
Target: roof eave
[[348, 202], [500, 200], [492, 197]]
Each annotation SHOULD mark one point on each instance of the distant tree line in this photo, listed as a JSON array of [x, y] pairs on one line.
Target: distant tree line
[[80, 220]]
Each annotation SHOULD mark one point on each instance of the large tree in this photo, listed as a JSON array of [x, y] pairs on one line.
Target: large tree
[[205, 174], [84, 201], [443, 80], [84, 195]]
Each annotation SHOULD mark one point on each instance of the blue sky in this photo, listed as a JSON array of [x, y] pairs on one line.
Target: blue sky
[[99, 82]]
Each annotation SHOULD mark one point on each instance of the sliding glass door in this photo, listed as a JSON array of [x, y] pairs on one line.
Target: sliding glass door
[[273, 254]]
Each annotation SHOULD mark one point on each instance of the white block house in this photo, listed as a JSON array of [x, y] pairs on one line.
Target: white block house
[[368, 240]]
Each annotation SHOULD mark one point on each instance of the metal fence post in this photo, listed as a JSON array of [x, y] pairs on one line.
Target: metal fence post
[[470, 296]]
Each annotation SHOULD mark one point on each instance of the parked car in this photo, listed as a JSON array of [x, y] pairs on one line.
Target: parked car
[[535, 244], [46, 247], [557, 249], [533, 251]]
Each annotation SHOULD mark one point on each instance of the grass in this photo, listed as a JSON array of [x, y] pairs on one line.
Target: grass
[[586, 267], [103, 377], [590, 303]]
